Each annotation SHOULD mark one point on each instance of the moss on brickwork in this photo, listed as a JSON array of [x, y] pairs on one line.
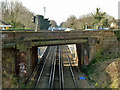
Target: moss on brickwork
[[117, 32]]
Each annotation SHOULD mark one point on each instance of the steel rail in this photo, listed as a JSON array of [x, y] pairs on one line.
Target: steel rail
[[40, 74], [82, 74], [61, 66], [35, 70], [70, 66], [52, 73], [60, 77]]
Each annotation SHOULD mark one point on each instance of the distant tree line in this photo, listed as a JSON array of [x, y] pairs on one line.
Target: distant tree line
[[92, 20]]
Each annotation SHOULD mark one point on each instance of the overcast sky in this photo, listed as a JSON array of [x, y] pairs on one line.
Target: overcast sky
[[60, 10]]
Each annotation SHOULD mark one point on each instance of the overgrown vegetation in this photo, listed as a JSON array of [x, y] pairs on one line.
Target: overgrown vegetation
[[97, 70], [10, 80]]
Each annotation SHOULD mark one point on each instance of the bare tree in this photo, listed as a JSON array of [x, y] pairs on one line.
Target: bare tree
[[53, 23], [16, 14], [70, 22]]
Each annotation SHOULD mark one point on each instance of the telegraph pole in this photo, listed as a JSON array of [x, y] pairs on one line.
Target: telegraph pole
[[36, 21], [44, 11], [86, 26]]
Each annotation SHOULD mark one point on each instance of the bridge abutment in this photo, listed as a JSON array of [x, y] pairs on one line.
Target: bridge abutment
[[28, 57], [83, 54], [79, 54], [19, 61], [34, 56]]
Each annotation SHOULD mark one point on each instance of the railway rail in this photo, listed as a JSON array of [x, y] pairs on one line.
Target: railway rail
[[57, 81], [44, 73], [35, 74], [52, 72], [71, 70]]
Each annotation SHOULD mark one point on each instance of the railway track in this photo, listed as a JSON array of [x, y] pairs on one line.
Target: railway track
[[58, 79], [61, 69], [33, 78], [42, 81], [56, 71], [70, 81]]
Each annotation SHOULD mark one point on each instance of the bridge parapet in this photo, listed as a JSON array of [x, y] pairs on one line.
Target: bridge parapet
[[12, 38], [18, 37]]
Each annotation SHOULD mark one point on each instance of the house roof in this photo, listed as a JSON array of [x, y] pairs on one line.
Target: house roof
[[3, 22]]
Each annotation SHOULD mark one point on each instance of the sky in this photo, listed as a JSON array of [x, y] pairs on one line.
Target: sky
[[60, 10]]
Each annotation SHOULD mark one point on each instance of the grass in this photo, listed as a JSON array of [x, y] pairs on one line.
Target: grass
[[96, 70], [18, 29]]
